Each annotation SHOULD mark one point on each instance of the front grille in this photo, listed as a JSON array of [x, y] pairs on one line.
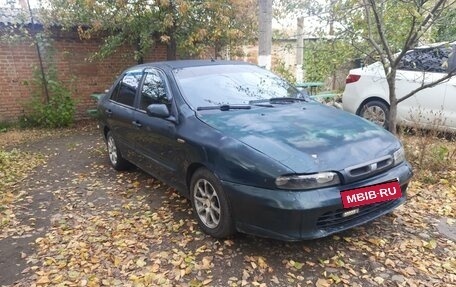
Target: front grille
[[335, 218], [369, 168]]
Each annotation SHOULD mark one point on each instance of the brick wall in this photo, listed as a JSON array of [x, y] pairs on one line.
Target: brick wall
[[18, 60]]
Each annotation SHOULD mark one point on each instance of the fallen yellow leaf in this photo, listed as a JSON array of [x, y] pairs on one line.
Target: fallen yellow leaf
[[322, 283]]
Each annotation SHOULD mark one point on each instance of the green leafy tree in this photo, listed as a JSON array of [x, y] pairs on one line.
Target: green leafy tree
[[445, 27], [329, 53], [188, 28], [325, 56]]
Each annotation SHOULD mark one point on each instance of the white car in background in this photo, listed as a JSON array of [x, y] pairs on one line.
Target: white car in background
[[366, 91]]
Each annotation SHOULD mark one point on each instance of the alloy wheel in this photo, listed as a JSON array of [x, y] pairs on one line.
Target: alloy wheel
[[207, 203], [375, 114], [112, 150]]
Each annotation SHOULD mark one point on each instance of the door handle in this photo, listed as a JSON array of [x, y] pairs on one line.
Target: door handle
[[108, 112], [137, 124]]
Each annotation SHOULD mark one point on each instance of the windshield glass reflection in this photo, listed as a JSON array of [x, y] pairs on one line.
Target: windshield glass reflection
[[231, 85]]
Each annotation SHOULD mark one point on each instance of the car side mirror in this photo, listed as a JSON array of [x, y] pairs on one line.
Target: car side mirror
[[158, 110]]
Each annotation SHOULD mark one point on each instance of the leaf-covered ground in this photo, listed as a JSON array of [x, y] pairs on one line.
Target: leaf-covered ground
[[74, 221]]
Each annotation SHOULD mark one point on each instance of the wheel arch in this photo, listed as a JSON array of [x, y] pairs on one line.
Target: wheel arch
[[371, 99], [105, 132], [190, 171]]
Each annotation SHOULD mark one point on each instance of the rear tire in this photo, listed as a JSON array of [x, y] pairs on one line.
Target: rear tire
[[114, 155], [375, 111], [210, 204]]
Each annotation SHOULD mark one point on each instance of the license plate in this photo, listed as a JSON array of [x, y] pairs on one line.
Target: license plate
[[371, 194]]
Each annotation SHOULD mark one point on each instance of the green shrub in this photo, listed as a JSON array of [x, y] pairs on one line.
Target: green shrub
[[280, 69], [323, 57], [4, 126], [56, 111]]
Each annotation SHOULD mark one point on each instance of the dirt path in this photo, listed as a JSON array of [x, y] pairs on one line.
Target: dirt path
[[83, 224], [41, 203]]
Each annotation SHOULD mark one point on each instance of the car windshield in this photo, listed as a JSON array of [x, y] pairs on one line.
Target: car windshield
[[231, 85]]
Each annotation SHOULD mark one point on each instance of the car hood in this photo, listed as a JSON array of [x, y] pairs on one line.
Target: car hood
[[305, 137]]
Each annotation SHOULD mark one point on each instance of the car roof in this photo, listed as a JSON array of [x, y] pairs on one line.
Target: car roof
[[435, 45], [180, 64]]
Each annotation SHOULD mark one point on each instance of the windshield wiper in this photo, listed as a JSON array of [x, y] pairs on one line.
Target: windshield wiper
[[279, 100], [268, 105], [225, 107]]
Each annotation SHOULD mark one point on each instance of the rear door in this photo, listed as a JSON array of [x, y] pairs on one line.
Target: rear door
[[450, 97], [420, 67], [119, 111], [450, 104]]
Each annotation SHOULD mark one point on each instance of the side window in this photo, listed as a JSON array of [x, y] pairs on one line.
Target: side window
[[408, 62], [153, 90], [426, 60], [125, 90]]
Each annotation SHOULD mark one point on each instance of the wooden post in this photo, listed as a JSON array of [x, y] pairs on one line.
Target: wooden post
[[299, 50]]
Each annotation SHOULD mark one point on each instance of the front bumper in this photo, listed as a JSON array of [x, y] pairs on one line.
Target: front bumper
[[299, 215]]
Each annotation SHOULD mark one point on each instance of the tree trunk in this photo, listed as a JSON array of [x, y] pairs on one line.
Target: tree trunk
[[265, 34], [217, 50], [392, 122], [171, 49]]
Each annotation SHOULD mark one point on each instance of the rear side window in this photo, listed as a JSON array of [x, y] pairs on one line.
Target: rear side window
[[426, 60], [126, 89], [153, 90]]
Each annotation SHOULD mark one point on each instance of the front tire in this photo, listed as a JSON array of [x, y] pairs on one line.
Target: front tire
[[375, 111], [210, 204], [115, 157]]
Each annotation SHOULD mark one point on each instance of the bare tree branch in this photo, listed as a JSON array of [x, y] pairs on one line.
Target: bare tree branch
[[381, 31], [370, 37], [427, 21], [407, 43]]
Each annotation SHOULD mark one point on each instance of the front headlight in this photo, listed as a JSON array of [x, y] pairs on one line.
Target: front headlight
[[399, 156], [307, 181]]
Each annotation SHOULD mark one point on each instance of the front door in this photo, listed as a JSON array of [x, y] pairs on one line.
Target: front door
[[157, 142]]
